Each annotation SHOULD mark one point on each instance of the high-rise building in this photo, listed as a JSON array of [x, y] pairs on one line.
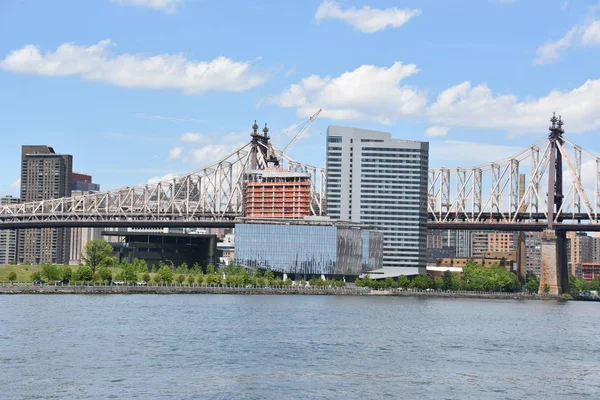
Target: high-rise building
[[8, 237], [277, 193], [533, 252], [81, 236], [381, 181], [579, 250], [479, 243], [501, 242], [83, 183], [45, 175]]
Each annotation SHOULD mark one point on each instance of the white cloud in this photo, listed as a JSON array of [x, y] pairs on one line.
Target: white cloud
[[168, 6], [175, 153], [585, 35], [470, 106], [156, 179], [191, 137], [449, 153], [366, 19], [367, 93], [164, 71], [436, 130], [16, 184]]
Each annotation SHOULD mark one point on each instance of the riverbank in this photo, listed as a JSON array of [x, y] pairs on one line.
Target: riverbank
[[196, 289]]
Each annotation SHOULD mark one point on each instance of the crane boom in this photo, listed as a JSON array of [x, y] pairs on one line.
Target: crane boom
[[302, 129]]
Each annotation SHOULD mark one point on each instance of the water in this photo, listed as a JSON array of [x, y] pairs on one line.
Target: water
[[296, 347]]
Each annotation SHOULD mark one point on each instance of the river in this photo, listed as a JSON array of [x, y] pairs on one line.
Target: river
[[296, 347]]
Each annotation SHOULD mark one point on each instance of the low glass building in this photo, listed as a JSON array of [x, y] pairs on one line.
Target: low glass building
[[303, 247]]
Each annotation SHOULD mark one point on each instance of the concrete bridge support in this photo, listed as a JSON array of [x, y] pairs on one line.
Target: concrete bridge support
[[554, 271]]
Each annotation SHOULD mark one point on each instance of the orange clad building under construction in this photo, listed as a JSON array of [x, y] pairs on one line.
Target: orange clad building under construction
[[277, 193]]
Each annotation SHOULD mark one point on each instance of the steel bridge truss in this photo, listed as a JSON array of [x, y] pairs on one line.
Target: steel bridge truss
[[214, 193], [494, 192]]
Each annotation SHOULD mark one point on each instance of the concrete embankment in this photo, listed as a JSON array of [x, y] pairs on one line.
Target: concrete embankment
[[185, 289]]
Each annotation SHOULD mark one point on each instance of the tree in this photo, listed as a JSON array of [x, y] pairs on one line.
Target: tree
[[182, 269], [50, 272], [532, 286], [165, 274], [180, 278], [141, 266], [97, 253], [438, 283], [146, 277], [403, 281], [83, 274], [65, 272], [129, 272], [422, 282], [210, 269], [191, 279], [36, 276], [105, 274], [12, 276]]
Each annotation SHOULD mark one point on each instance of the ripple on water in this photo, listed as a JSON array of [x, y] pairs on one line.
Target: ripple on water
[[296, 347]]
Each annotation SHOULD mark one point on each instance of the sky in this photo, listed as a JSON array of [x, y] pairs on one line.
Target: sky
[[137, 90]]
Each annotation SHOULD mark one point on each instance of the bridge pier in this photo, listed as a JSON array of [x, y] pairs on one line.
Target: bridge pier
[[554, 263]]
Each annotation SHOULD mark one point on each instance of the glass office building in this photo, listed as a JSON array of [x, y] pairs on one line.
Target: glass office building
[[375, 179], [308, 248]]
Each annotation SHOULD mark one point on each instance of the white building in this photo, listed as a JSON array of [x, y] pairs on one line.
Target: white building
[[381, 181]]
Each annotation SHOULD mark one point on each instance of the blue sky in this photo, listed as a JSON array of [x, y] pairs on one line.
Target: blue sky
[[139, 89]]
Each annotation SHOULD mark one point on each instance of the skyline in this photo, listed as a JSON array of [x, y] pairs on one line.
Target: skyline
[[94, 80]]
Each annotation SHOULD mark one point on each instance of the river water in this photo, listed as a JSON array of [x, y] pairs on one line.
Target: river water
[[296, 347]]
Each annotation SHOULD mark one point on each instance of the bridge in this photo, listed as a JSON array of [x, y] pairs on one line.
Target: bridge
[[542, 188], [210, 197], [539, 189]]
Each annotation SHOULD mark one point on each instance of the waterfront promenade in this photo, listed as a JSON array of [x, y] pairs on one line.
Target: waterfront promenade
[[28, 288]]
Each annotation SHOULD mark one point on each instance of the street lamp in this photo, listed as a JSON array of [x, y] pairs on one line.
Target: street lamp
[[172, 265]]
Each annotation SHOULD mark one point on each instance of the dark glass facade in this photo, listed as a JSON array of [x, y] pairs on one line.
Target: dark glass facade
[[308, 249]]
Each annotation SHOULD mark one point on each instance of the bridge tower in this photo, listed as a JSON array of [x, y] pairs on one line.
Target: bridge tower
[[554, 272]]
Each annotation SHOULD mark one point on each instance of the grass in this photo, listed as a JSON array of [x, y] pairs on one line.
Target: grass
[[23, 272]]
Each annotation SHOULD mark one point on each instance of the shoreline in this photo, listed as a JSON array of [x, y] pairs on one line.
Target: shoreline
[[176, 289]]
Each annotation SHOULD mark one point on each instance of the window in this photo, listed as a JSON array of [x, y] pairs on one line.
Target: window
[[334, 139]]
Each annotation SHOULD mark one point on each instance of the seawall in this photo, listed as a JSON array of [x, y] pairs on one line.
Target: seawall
[[186, 289]]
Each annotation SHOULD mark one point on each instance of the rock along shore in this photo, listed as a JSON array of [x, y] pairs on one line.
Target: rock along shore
[[186, 289]]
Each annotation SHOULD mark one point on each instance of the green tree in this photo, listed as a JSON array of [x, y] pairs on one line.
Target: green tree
[[403, 281], [438, 283], [12, 276], [196, 269], [210, 269], [532, 286], [146, 277], [83, 274], [191, 280], [105, 274], [97, 253], [165, 274], [422, 282], [65, 272], [180, 278], [140, 266], [50, 272], [182, 269], [129, 272], [36, 276]]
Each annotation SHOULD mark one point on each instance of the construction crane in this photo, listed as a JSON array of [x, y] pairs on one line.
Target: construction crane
[[302, 129]]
